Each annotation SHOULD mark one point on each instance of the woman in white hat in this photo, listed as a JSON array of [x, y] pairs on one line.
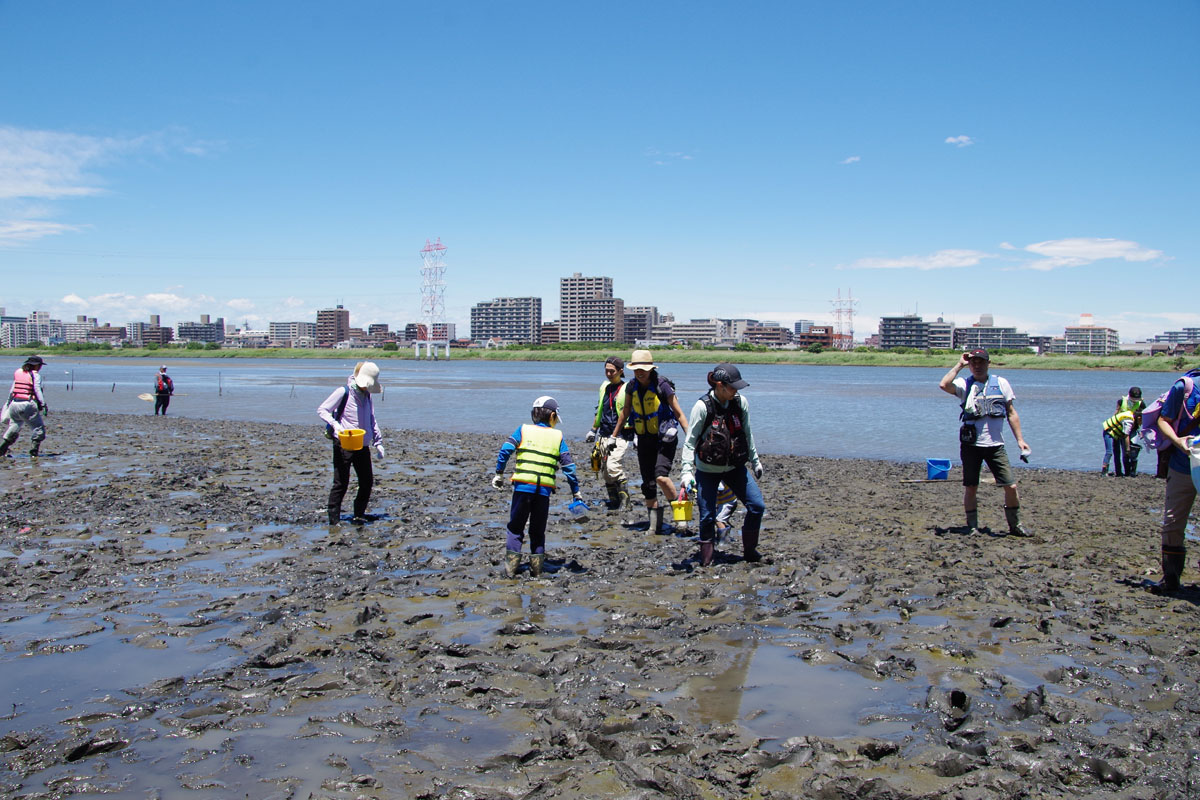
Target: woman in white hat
[[651, 404], [350, 407]]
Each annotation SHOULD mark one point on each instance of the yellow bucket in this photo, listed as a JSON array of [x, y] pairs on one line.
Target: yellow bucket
[[351, 438], [681, 510]]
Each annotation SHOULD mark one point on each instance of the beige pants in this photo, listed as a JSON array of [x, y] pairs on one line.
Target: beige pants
[[612, 471]]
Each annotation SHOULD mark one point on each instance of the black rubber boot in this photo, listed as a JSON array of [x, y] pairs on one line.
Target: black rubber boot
[[4, 445], [1173, 559], [750, 547], [614, 501], [335, 515], [707, 552], [657, 525]]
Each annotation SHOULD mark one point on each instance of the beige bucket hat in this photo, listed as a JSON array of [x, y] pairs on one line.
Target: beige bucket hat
[[641, 359], [366, 377]]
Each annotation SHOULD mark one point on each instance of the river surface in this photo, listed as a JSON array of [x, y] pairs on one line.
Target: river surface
[[891, 413]]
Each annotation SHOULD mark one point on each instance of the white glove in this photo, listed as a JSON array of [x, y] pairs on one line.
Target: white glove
[[497, 481], [757, 468], [689, 481], [577, 496], [591, 437], [379, 449]]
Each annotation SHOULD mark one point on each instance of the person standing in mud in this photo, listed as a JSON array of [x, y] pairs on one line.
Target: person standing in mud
[[26, 405], [720, 450], [651, 404], [164, 387], [347, 408], [986, 401], [537, 450], [612, 443], [1132, 402], [1179, 422]]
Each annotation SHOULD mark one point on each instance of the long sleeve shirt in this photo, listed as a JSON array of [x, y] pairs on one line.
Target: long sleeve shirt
[[565, 463], [696, 425], [359, 413]]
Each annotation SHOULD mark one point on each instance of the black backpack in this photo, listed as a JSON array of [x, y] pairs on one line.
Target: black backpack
[[723, 439], [341, 409]]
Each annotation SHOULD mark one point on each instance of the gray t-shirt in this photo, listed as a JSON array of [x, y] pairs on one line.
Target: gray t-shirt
[[989, 430]]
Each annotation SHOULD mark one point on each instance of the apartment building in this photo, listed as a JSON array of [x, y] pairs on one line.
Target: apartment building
[[333, 326], [510, 319], [203, 331], [987, 334], [581, 305], [907, 330], [287, 334]]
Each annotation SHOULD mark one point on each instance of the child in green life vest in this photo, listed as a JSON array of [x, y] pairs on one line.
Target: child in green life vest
[[537, 450]]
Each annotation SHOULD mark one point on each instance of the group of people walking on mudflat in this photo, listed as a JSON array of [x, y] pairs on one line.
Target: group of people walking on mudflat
[[720, 463]]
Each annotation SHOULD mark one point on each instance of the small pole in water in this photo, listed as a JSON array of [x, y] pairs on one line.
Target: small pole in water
[[218, 384], [114, 388]]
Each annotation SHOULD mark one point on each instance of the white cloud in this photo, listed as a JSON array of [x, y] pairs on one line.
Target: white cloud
[[661, 158], [942, 259], [1080, 251], [960, 141], [38, 166], [851, 160], [240, 304]]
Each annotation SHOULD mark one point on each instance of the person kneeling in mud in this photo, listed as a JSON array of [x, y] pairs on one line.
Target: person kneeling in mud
[[537, 450], [720, 450]]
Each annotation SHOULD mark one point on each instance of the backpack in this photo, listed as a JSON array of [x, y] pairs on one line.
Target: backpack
[[1151, 413], [341, 409], [722, 442]]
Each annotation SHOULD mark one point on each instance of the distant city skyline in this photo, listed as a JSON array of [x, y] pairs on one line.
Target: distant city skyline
[[259, 162]]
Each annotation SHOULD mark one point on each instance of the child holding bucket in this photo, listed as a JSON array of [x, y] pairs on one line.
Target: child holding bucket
[[351, 419], [537, 450], [719, 446]]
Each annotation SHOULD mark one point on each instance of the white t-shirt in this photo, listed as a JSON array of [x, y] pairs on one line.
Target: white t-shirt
[[989, 430]]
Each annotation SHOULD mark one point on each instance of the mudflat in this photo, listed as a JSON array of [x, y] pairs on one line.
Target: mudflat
[[179, 621]]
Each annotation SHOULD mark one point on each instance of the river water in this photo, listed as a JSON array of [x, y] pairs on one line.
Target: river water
[[892, 413]]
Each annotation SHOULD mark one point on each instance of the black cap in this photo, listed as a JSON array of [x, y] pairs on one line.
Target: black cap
[[1135, 392], [979, 352], [728, 373], [617, 362]]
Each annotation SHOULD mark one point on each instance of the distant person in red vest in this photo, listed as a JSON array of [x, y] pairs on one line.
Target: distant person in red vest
[[163, 389], [25, 405]]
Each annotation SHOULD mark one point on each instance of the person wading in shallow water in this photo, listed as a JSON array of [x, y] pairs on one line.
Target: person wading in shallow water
[[26, 405], [651, 404], [347, 408], [986, 401], [164, 387]]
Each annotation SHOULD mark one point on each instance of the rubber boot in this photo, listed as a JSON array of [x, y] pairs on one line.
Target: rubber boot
[[537, 561], [973, 522], [614, 501], [1013, 515], [512, 563], [1173, 559], [642, 523], [657, 525], [750, 547], [707, 551], [33, 451], [624, 498], [1104, 469], [4, 445]]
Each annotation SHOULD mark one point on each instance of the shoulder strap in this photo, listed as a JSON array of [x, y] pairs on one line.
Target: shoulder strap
[[341, 408]]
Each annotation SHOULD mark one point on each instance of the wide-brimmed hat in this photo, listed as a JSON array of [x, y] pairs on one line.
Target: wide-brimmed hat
[[641, 359], [366, 377], [549, 403], [729, 374], [33, 361]]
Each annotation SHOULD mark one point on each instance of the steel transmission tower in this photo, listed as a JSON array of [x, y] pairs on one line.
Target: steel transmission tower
[[843, 320], [433, 299]]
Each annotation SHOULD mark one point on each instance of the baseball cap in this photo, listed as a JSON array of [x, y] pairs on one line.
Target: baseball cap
[[547, 402], [979, 352], [728, 373]]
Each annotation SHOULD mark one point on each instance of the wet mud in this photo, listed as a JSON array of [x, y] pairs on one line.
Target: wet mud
[[178, 621]]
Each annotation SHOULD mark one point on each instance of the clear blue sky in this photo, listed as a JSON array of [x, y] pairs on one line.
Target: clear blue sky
[[261, 160]]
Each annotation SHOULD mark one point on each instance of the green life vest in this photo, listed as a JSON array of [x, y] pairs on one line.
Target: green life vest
[[537, 455]]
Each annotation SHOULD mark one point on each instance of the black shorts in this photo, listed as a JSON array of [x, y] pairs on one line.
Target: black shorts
[[654, 461], [973, 458]]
